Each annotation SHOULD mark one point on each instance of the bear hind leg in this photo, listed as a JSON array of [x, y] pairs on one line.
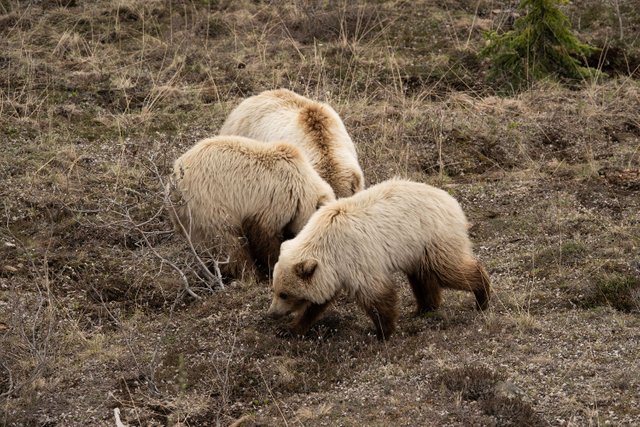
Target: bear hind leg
[[263, 245], [240, 263], [426, 289], [383, 311]]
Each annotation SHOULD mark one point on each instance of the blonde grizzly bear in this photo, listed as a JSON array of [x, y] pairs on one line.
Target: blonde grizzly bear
[[282, 115], [357, 243], [241, 198]]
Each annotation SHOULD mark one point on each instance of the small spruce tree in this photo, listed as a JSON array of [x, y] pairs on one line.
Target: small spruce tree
[[541, 44]]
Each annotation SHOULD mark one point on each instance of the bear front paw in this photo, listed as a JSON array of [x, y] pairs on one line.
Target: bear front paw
[[284, 333], [289, 332]]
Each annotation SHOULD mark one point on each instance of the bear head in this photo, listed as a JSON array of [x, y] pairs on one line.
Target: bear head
[[291, 285], [301, 277]]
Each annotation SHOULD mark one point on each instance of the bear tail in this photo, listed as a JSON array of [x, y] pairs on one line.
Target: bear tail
[[470, 275], [482, 291]]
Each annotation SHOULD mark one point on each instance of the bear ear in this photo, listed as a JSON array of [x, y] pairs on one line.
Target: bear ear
[[305, 269]]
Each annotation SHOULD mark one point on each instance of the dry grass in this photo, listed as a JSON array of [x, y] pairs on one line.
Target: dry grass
[[98, 98]]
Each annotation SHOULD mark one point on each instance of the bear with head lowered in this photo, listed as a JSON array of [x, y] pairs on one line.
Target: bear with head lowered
[[356, 244], [314, 127], [241, 198]]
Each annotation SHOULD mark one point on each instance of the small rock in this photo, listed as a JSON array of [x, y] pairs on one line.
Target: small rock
[[509, 390], [244, 420], [9, 268], [70, 111]]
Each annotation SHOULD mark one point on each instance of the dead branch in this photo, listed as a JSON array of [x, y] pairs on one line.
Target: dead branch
[[116, 415], [10, 385], [216, 279], [211, 271], [177, 269]]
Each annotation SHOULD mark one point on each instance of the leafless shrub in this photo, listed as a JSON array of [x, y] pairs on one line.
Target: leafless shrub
[[474, 382], [342, 21], [34, 330], [511, 411], [498, 398], [620, 291], [124, 215], [6, 381]]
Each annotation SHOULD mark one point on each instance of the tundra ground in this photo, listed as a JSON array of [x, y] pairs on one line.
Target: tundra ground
[[97, 98]]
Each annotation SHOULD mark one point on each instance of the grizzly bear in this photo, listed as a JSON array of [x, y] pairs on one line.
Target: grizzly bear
[[315, 127], [242, 198], [357, 243]]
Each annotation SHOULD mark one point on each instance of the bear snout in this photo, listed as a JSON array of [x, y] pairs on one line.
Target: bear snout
[[274, 312]]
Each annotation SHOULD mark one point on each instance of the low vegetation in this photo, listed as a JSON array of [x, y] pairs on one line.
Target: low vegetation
[[97, 99], [541, 45]]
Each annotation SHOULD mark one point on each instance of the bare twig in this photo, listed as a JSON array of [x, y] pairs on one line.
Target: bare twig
[[10, 386], [38, 339], [171, 264], [616, 4], [473, 23], [116, 415], [224, 375], [273, 397], [216, 279]]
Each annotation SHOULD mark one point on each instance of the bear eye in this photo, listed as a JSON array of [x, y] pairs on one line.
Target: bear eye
[[284, 295]]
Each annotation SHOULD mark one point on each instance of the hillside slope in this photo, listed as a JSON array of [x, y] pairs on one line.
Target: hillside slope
[[97, 98]]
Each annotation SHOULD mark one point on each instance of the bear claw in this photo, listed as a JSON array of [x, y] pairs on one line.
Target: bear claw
[[284, 333]]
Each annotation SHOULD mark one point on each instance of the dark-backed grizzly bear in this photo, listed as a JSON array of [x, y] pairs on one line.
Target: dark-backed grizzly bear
[[315, 127], [357, 243], [241, 198]]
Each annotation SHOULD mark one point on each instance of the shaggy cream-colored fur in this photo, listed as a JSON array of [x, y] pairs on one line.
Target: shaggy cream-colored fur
[[357, 243], [282, 115], [242, 197]]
